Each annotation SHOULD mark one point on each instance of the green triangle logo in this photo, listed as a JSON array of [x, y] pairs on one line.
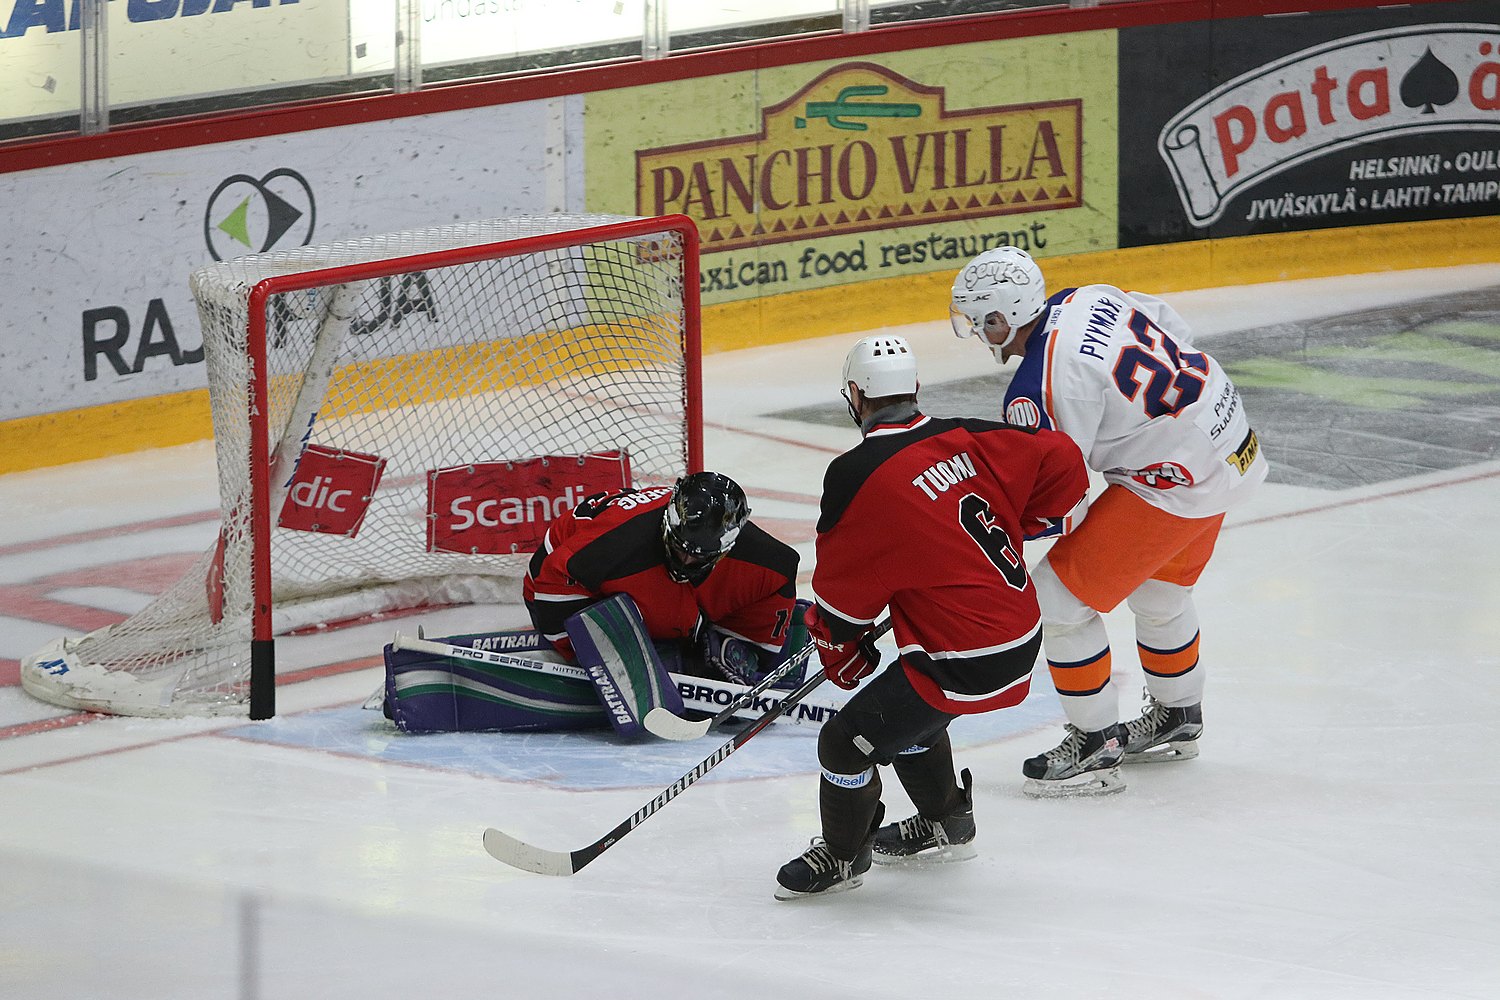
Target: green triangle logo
[[237, 223]]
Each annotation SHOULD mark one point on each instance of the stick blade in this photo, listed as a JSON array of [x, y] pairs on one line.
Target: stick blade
[[504, 847], [663, 724]]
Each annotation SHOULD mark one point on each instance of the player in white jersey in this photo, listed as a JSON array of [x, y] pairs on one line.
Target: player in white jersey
[[1166, 428]]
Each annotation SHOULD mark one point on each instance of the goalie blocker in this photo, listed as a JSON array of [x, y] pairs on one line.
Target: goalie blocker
[[610, 642]]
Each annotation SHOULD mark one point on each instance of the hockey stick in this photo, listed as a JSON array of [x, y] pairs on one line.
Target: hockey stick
[[661, 723], [421, 645], [518, 854]]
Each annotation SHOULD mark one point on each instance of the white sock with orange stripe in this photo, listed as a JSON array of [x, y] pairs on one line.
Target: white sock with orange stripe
[[1166, 633]]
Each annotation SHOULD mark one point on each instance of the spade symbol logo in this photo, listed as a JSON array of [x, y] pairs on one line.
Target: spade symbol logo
[[1429, 84]]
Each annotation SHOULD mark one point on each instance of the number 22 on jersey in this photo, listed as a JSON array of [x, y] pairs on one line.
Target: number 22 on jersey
[[1164, 379]]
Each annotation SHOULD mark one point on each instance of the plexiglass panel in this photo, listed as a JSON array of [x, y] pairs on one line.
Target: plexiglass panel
[[698, 23], [463, 38], [40, 57], [169, 58]]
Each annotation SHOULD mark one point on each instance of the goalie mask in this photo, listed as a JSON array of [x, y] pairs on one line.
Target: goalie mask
[[700, 524], [1004, 281]]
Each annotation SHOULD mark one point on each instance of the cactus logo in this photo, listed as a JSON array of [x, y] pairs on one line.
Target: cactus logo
[[246, 215]]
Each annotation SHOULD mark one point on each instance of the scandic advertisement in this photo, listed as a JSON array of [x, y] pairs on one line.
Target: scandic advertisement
[[1323, 120], [830, 173]]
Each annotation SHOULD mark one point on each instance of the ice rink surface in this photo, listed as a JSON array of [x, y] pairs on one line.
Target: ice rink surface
[[1339, 836]]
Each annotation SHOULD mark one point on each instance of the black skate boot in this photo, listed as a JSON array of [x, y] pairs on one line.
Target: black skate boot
[[816, 871], [1164, 734], [1083, 764], [920, 839]]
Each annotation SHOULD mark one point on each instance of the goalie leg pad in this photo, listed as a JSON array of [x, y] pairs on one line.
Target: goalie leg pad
[[426, 693], [610, 641]]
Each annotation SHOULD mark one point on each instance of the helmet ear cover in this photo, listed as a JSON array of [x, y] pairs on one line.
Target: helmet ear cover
[[700, 524]]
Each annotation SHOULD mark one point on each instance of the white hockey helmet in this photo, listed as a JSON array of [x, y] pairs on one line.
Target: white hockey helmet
[[881, 365], [1004, 280]]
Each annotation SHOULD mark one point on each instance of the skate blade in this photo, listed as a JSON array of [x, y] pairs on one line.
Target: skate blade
[[1106, 781], [783, 893], [1165, 753], [936, 856]]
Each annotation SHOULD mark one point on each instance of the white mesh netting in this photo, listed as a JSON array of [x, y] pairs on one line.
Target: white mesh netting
[[567, 351]]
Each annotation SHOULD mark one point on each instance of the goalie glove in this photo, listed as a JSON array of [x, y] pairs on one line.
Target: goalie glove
[[735, 658], [845, 663]]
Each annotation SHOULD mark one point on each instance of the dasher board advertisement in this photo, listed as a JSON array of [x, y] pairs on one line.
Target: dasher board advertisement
[[1310, 121], [97, 254], [831, 173]]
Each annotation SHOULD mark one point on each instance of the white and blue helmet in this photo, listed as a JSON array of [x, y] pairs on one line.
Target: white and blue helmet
[[1004, 280]]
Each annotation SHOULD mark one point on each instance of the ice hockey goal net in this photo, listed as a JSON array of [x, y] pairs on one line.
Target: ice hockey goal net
[[392, 416]]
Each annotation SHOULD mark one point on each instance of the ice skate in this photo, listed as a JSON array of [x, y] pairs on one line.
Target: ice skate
[[817, 872], [1083, 764], [1163, 734], [921, 840]]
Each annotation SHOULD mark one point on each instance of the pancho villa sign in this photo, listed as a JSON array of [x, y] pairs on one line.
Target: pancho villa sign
[[1367, 87], [862, 148]]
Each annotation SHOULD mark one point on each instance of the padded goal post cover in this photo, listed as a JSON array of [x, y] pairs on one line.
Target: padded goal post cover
[[610, 641]]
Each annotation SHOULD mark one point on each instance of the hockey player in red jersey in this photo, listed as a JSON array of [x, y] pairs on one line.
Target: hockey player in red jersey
[[1165, 427], [687, 555], [925, 516]]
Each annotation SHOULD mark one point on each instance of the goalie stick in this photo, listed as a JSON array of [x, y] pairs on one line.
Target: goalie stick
[[421, 644], [663, 724], [503, 847]]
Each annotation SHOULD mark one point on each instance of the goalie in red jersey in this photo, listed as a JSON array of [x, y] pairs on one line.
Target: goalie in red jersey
[[634, 586], [925, 516], [687, 558]]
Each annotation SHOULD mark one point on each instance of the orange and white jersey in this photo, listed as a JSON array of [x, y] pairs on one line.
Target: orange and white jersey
[[1115, 372]]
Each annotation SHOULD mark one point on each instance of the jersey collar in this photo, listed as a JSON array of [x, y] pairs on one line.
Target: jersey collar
[[893, 419]]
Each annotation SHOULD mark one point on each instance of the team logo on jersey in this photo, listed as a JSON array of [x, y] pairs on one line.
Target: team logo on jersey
[[1023, 412], [1161, 476]]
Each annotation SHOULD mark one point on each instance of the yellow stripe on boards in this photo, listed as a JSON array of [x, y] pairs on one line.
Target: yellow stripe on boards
[[365, 387], [101, 431], [1173, 267]]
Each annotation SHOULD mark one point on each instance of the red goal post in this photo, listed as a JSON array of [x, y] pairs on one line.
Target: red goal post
[[358, 390]]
